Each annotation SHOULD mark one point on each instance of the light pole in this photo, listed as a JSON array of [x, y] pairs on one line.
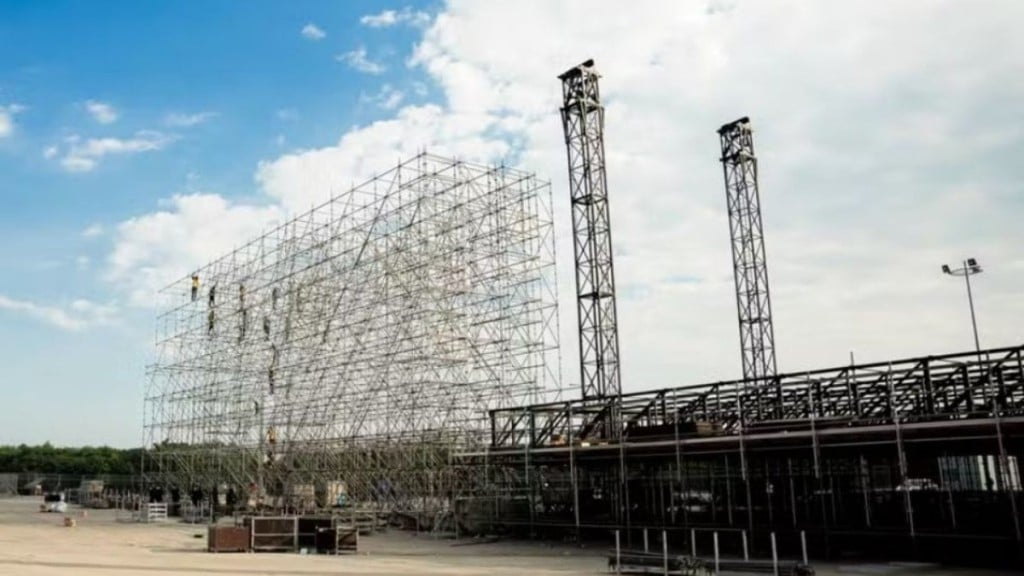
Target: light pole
[[968, 268]]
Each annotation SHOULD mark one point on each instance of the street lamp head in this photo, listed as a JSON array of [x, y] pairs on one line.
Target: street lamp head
[[946, 270], [972, 263]]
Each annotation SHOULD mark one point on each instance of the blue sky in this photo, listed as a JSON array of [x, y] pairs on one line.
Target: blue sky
[[139, 140], [253, 85]]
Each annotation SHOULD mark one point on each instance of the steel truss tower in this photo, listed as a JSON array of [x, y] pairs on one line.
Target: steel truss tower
[[583, 122], [750, 264], [354, 347]]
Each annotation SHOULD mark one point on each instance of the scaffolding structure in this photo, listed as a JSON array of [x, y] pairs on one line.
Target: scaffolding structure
[[351, 350]]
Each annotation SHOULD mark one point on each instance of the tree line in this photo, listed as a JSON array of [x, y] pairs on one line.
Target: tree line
[[86, 460]]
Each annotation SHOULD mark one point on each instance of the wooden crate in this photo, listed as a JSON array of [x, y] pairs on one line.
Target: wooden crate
[[228, 539]]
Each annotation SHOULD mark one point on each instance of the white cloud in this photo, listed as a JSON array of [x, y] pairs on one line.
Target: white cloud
[[77, 316], [82, 262], [101, 112], [186, 120], [78, 164], [358, 60], [388, 18], [93, 231], [885, 150], [50, 152], [300, 179], [55, 316], [84, 155], [94, 313], [7, 114], [387, 98], [153, 249], [313, 32]]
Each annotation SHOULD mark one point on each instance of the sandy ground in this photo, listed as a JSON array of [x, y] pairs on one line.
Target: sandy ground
[[35, 543], [32, 543]]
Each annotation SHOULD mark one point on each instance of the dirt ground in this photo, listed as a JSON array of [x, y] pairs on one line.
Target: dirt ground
[[33, 543]]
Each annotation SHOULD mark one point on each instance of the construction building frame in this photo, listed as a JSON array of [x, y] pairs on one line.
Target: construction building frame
[[911, 458], [348, 352]]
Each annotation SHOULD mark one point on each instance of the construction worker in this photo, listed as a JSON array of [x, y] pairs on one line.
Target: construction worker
[[195, 286], [244, 312], [271, 440]]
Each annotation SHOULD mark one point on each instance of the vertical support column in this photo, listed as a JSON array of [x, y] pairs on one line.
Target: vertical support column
[[664, 551], [529, 485], [775, 557], [624, 491], [618, 553], [570, 436], [679, 463], [902, 455], [745, 475], [716, 552], [728, 491], [864, 472], [295, 534], [792, 489]]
